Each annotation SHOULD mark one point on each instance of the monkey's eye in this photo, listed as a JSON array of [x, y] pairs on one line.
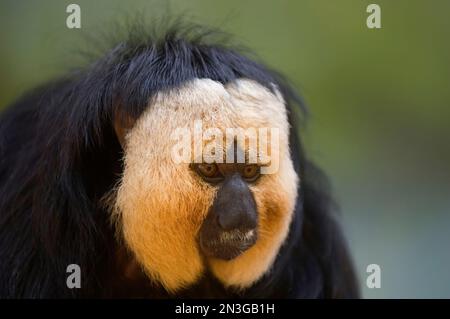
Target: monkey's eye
[[209, 172], [251, 172]]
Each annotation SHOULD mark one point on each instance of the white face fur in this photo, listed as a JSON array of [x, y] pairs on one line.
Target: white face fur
[[161, 205]]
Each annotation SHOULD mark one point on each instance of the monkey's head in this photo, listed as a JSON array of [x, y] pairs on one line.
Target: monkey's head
[[207, 184], [207, 210]]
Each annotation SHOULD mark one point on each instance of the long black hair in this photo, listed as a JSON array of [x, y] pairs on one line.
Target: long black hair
[[59, 156]]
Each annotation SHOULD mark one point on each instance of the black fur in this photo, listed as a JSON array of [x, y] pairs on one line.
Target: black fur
[[59, 156]]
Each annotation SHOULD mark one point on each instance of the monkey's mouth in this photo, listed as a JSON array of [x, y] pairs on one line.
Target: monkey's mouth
[[227, 245]]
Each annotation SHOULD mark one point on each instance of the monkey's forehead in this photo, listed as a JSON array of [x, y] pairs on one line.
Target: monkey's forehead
[[242, 103]]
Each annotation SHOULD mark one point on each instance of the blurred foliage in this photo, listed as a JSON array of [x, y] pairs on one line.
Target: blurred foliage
[[379, 103]]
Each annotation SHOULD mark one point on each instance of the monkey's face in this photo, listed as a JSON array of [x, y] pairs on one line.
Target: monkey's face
[[213, 205], [231, 224]]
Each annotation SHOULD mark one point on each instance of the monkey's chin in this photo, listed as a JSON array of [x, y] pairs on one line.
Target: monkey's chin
[[225, 253], [226, 250]]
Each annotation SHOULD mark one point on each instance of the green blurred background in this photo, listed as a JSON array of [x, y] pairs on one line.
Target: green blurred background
[[379, 102]]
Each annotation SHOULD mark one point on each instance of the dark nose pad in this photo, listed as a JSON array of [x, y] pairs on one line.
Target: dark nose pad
[[240, 220], [235, 206]]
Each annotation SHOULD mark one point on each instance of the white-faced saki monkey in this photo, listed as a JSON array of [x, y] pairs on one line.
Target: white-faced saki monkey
[[92, 174]]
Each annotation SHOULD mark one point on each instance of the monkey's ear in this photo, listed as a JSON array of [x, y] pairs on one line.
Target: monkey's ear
[[122, 124]]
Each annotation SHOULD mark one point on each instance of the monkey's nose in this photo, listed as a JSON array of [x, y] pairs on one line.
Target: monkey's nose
[[230, 227], [237, 220]]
